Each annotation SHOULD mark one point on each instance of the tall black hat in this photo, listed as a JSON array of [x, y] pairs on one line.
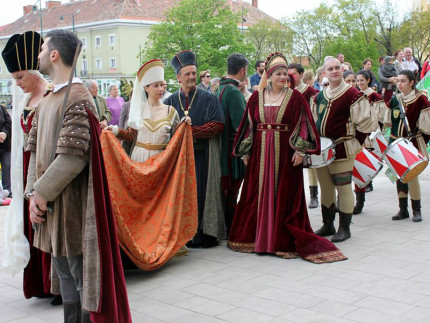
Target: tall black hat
[[183, 59], [21, 51]]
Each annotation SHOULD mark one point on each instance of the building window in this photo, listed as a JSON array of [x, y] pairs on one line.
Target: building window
[[112, 40], [84, 71], [112, 62], [98, 63], [98, 41], [84, 42], [1, 70]]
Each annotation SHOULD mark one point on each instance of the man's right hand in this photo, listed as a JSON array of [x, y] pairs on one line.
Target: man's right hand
[[35, 213]]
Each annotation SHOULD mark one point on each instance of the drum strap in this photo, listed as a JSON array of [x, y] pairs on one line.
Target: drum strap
[[341, 140]]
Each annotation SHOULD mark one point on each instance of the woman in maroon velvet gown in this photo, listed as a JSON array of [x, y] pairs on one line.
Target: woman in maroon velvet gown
[[276, 131], [21, 57]]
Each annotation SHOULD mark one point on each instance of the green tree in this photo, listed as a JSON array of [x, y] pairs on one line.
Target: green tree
[[313, 30], [207, 27], [269, 36], [415, 33]]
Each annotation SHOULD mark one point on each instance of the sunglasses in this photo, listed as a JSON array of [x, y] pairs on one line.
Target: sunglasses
[[207, 76]]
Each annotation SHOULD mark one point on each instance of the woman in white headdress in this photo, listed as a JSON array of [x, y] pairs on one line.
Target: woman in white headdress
[[151, 123], [20, 55]]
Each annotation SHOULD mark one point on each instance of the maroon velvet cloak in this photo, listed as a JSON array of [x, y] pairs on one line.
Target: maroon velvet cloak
[[113, 299], [292, 232]]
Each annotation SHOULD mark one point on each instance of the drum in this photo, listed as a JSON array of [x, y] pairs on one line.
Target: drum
[[327, 154], [366, 167], [378, 142], [404, 159]]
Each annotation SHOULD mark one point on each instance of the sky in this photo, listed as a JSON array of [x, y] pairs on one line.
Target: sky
[[12, 9]]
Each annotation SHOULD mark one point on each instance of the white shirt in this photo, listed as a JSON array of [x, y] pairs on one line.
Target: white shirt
[[410, 65]]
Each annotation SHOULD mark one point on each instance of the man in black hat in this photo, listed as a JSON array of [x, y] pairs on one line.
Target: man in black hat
[[207, 119]]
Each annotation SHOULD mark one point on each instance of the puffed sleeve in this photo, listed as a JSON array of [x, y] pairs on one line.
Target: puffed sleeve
[[75, 133], [423, 123], [362, 116], [32, 135], [313, 106], [380, 109]]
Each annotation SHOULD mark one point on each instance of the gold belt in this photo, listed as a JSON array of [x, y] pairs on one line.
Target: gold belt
[[273, 126], [149, 146]]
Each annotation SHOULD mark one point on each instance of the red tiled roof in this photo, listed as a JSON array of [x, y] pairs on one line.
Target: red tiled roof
[[90, 11]]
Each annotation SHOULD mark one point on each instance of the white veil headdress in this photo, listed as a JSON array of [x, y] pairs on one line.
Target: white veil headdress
[[150, 72], [17, 248]]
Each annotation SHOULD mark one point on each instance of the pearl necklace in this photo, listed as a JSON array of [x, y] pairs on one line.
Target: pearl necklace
[[273, 101]]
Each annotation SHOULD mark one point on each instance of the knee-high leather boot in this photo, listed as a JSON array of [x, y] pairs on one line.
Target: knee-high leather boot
[[313, 203], [359, 202], [416, 211], [343, 233], [328, 214], [403, 212]]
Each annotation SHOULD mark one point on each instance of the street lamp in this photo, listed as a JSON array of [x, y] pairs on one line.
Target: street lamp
[[40, 14], [73, 21]]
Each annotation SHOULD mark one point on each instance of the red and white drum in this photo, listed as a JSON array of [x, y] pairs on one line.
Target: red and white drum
[[404, 159], [327, 154], [378, 142], [366, 167]]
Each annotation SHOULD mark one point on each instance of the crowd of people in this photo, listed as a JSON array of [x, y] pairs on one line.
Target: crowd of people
[[102, 182]]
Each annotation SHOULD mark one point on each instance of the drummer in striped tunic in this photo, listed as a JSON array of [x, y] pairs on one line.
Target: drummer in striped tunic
[[417, 108], [344, 115]]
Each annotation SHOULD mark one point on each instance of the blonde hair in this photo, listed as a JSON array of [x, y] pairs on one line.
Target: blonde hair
[[307, 76]]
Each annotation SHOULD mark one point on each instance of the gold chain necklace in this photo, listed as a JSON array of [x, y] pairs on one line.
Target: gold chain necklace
[[189, 107]]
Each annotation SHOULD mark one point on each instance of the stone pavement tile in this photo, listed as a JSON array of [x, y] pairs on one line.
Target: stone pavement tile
[[394, 283], [280, 282], [27, 319], [397, 255], [425, 302], [334, 294], [420, 288], [302, 315], [381, 235], [198, 318], [239, 285], [10, 294], [167, 295], [339, 283], [265, 306], [333, 308], [384, 305], [139, 317], [207, 307], [365, 315], [159, 310], [418, 267], [388, 293], [9, 313], [245, 315], [289, 297], [34, 306], [385, 270], [233, 272], [215, 293], [421, 278], [418, 313], [360, 276]]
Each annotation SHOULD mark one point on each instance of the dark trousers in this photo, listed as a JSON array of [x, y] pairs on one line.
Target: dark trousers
[[230, 202], [70, 272], [5, 170]]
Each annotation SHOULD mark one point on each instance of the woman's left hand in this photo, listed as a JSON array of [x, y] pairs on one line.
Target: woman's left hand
[[297, 159]]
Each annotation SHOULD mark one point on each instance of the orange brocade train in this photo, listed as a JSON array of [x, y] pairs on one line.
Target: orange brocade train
[[155, 202]]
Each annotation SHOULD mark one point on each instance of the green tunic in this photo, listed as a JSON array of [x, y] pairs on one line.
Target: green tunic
[[233, 105]]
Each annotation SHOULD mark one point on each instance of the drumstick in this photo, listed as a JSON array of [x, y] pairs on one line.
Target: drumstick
[[403, 116]]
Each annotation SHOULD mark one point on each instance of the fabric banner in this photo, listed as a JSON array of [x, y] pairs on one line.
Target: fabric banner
[[155, 202], [424, 85]]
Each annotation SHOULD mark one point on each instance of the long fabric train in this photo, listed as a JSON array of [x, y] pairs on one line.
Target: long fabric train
[[155, 202]]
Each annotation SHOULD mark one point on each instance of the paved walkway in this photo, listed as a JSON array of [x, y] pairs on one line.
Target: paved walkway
[[386, 279]]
